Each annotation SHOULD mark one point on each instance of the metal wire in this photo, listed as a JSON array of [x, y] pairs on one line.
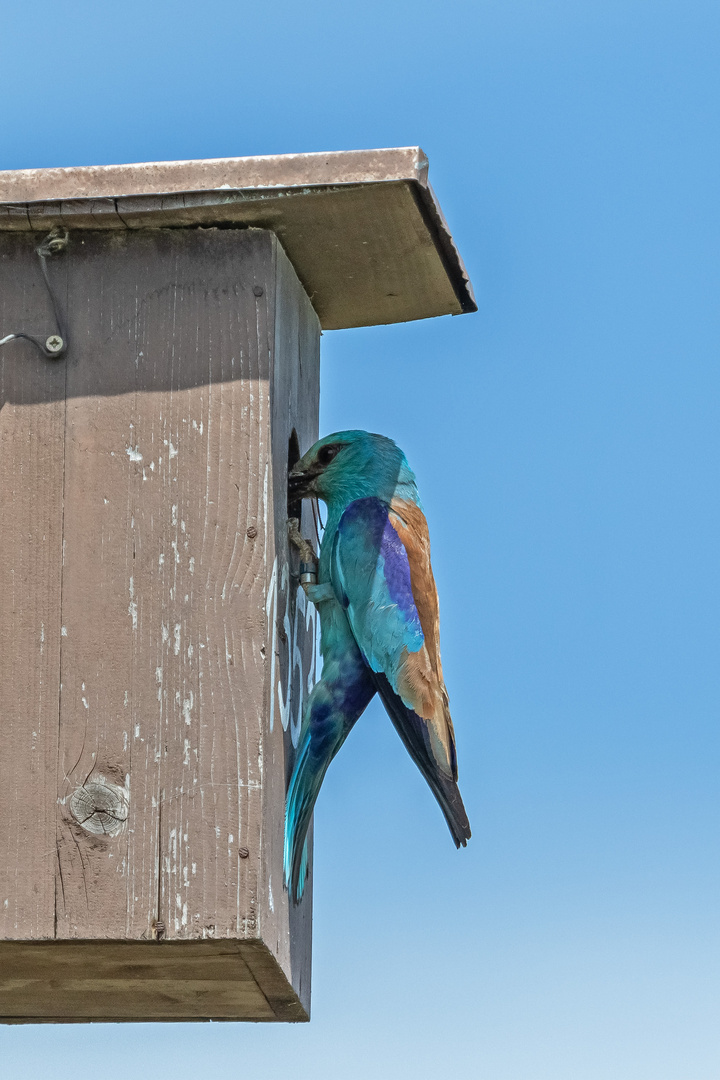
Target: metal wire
[[55, 345]]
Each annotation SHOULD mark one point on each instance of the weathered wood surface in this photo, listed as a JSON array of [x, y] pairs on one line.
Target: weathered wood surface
[[187, 980], [262, 172], [362, 228], [146, 594]]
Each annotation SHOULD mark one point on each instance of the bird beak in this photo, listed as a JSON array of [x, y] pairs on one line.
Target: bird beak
[[300, 485]]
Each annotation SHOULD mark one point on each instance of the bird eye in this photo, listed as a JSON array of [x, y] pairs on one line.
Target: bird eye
[[327, 453]]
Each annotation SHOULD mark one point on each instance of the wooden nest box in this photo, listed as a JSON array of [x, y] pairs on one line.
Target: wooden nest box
[[155, 650]]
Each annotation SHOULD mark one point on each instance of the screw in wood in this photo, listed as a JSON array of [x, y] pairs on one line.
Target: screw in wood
[[243, 853], [257, 290], [100, 808], [251, 532], [54, 344]]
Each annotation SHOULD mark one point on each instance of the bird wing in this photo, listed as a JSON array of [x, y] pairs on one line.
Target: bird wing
[[382, 577]]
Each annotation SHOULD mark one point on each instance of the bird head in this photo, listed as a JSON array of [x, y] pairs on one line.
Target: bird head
[[349, 465]]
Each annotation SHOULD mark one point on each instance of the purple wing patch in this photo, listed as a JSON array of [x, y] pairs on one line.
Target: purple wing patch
[[369, 518]]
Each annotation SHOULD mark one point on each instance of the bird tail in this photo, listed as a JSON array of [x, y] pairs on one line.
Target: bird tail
[[412, 730], [305, 784], [334, 705]]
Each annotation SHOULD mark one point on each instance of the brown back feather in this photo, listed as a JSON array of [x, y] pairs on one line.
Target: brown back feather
[[422, 677]]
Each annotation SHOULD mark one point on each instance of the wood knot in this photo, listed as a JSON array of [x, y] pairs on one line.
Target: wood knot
[[100, 808]]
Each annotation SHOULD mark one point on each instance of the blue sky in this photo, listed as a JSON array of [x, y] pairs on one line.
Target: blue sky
[[566, 443]]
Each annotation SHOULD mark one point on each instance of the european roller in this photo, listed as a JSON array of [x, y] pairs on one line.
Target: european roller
[[379, 624]]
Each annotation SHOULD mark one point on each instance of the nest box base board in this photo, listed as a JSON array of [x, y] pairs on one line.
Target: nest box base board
[[91, 981]]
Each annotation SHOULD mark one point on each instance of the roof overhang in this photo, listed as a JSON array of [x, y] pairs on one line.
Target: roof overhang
[[362, 228]]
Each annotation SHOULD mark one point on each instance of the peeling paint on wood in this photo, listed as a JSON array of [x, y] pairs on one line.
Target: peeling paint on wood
[[147, 586]]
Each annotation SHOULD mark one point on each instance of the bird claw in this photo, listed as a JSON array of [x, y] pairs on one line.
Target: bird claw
[[304, 546], [308, 558]]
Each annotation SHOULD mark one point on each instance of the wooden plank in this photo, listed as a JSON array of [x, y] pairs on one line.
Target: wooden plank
[[362, 229], [286, 928], [74, 214], [366, 255], [290, 1002], [14, 218], [186, 980], [200, 980], [221, 174], [32, 419], [162, 588], [165, 512], [385, 266], [159, 1000]]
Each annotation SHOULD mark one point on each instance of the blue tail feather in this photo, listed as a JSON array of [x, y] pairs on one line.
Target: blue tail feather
[[302, 793], [333, 707]]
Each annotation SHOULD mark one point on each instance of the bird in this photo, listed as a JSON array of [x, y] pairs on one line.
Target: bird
[[379, 627]]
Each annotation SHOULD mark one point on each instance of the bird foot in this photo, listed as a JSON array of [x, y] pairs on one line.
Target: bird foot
[[308, 558], [296, 538]]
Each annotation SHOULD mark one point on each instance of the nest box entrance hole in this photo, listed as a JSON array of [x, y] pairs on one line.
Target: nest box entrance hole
[[294, 506]]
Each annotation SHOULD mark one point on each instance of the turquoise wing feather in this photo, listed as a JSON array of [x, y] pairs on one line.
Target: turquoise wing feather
[[371, 578], [372, 575]]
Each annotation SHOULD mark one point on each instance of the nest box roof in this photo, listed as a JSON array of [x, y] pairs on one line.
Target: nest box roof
[[362, 228]]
